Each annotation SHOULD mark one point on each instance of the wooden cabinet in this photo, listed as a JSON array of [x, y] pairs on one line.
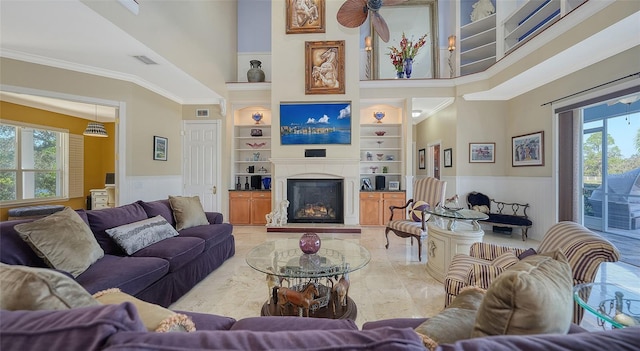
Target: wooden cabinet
[[374, 206], [249, 207]]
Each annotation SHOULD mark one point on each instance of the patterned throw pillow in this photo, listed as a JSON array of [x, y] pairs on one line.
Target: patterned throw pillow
[[138, 235], [481, 208], [416, 211], [505, 260]]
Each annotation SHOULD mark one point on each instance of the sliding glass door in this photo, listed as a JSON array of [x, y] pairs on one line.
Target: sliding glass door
[[611, 166]]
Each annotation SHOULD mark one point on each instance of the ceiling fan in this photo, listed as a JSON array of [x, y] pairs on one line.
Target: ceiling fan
[[353, 13]]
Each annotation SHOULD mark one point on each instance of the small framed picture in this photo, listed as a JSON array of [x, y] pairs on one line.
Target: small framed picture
[[324, 67], [448, 157], [305, 16], [482, 152], [256, 132], [422, 154], [160, 148], [528, 150], [366, 184], [394, 185]]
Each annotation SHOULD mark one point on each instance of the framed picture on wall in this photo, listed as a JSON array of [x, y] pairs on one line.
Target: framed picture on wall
[[394, 185], [448, 157], [482, 152], [528, 150], [324, 67], [305, 16], [422, 162], [160, 148]]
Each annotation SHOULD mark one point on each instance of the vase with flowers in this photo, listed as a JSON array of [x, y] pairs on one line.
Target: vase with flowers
[[402, 57]]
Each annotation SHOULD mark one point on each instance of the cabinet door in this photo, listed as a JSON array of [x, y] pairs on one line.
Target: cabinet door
[[260, 206], [240, 207], [369, 208], [393, 199]]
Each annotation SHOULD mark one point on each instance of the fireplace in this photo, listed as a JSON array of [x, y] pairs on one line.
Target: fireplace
[[315, 201]]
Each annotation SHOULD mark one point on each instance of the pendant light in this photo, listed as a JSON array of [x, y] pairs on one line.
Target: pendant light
[[95, 129]]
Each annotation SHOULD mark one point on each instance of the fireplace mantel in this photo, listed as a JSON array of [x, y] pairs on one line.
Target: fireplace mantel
[[320, 167]]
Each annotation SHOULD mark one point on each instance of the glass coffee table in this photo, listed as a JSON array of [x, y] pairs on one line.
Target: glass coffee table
[[284, 260], [610, 303], [454, 215]]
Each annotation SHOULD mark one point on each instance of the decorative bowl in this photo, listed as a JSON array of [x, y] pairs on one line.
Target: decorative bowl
[[378, 116], [310, 243], [380, 132], [380, 156], [257, 117]]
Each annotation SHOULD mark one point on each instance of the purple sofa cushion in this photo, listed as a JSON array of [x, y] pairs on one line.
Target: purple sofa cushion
[[130, 274], [626, 339], [177, 251], [394, 323], [159, 207], [14, 250], [101, 220], [274, 323], [86, 328], [205, 321], [214, 217], [212, 234], [383, 339]]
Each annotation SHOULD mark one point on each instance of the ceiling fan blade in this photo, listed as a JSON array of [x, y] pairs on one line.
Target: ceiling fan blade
[[392, 2], [352, 13], [380, 26]]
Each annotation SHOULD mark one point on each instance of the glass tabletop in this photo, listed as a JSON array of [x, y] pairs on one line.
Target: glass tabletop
[[612, 303], [463, 214], [283, 257]]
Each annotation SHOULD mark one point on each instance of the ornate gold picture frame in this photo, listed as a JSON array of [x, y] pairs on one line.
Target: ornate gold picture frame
[[305, 16], [324, 67]]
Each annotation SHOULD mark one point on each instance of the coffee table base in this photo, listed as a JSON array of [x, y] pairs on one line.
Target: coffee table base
[[350, 311]]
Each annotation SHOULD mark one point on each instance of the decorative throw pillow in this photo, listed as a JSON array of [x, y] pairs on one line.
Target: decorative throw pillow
[[155, 318], [481, 208], [187, 211], [138, 235], [528, 252], [454, 322], [534, 296], [63, 240], [416, 210], [505, 260], [30, 288]]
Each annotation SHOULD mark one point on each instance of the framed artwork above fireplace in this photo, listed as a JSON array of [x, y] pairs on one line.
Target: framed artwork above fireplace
[[304, 123]]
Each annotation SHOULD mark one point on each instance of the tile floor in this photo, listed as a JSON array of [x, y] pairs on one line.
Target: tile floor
[[394, 284]]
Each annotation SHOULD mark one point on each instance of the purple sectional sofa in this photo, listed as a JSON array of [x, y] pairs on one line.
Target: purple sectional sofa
[[118, 327], [160, 273]]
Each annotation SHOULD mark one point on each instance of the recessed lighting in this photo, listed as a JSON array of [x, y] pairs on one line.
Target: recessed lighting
[[416, 113]]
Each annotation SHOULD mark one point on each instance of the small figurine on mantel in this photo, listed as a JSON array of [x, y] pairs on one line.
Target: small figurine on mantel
[[482, 9]]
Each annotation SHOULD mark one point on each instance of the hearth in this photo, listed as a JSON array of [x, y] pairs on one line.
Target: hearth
[[315, 200]]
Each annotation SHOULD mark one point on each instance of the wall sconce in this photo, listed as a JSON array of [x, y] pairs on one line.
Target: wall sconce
[[452, 48], [368, 48]]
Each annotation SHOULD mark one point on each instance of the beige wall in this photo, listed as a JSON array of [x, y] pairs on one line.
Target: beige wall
[[147, 113]]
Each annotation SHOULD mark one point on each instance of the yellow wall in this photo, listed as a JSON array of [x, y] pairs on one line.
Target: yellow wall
[[99, 153]]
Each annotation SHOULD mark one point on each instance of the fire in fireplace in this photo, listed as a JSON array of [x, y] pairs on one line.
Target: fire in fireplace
[[315, 200]]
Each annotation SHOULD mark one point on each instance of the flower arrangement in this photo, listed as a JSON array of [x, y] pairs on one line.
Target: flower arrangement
[[407, 50]]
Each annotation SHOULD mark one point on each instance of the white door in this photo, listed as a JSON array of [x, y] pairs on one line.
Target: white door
[[201, 158]]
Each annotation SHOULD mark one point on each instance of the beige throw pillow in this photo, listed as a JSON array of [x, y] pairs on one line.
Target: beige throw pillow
[[63, 240], [454, 322], [155, 318], [534, 296], [187, 211], [30, 288]]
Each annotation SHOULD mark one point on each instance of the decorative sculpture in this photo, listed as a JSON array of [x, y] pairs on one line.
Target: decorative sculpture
[[273, 281], [278, 217], [482, 9], [302, 300], [341, 289]]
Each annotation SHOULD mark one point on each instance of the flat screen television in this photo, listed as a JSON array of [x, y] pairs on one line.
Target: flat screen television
[[315, 123]]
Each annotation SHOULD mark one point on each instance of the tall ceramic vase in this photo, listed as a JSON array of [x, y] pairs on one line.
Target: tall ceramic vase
[[255, 73], [408, 67]]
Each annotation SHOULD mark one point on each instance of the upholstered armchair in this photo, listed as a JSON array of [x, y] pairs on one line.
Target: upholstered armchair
[[429, 190], [584, 249]]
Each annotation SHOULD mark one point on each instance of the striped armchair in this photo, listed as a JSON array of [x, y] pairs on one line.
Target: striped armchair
[[430, 190], [584, 249]]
